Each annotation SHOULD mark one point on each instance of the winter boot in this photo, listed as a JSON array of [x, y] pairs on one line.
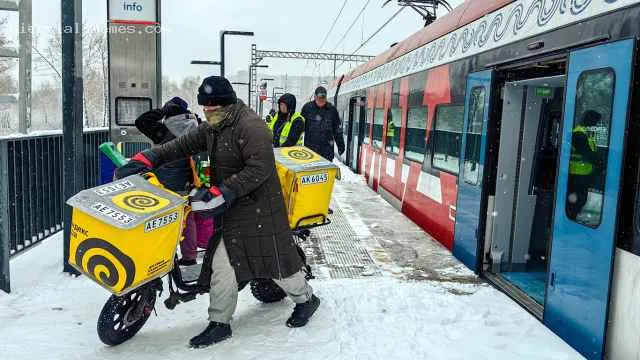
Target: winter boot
[[303, 312], [214, 333]]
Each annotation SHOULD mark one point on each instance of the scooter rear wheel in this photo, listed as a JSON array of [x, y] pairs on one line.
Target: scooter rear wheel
[[267, 291], [123, 316]]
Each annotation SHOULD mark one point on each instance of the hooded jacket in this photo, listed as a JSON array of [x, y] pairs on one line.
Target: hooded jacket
[[280, 119], [177, 175]]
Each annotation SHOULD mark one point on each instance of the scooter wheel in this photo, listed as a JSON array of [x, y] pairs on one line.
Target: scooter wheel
[[267, 291], [123, 316]]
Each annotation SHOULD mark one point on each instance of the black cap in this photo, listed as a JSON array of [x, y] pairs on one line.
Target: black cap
[[321, 91], [216, 91]]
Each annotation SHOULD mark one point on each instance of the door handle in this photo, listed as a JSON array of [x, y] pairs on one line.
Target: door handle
[[452, 213], [552, 280]]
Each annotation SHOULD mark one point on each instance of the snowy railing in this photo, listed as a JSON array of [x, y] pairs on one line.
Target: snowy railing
[[31, 195]]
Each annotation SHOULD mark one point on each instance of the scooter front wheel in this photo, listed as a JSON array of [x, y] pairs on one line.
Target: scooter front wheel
[[123, 316]]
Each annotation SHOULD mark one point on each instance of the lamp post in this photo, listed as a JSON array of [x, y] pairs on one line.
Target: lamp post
[[205, 62], [224, 33]]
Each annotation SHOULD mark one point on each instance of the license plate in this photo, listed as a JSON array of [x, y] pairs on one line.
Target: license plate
[[160, 222], [114, 187], [112, 214], [314, 179]]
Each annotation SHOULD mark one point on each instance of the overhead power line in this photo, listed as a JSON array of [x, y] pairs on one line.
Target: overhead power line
[[332, 26], [344, 36], [374, 34], [377, 31], [335, 21]]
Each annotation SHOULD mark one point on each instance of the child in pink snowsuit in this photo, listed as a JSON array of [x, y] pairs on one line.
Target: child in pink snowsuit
[[197, 232]]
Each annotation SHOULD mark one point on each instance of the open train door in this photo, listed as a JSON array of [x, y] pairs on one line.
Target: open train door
[[584, 229], [470, 183]]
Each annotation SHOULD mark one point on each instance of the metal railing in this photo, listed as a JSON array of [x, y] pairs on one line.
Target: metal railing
[[31, 195]]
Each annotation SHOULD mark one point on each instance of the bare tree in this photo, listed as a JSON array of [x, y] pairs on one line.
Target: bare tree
[[94, 52], [7, 82]]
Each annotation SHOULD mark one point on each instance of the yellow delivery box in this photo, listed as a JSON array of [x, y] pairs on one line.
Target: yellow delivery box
[[307, 181], [125, 234]]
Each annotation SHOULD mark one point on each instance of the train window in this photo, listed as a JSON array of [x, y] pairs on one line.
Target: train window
[[416, 136], [415, 143], [367, 138], [394, 121], [378, 125], [474, 136], [446, 138], [590, 147]]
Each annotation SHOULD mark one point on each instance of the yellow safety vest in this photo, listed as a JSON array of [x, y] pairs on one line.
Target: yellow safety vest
[[286, 129], [391, 130], [578, 165]]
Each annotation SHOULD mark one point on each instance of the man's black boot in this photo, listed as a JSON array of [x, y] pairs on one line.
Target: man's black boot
[[303, 312], [214, 333]]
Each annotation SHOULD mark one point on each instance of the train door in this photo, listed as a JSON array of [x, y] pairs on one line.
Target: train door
[[470, 183], [589, 179], [348, 122], [358, 112], [525, 186]]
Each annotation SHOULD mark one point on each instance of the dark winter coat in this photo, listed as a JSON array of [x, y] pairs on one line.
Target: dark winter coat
[[255, 229], [323, 128]]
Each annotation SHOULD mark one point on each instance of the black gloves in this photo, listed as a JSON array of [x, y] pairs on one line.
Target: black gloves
[[211, 202], [138, 164]]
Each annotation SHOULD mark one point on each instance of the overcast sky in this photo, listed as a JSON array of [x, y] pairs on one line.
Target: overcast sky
[[191, 30]]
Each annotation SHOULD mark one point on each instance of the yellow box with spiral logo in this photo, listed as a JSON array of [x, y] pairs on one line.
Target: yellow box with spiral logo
[[125, 234], [307, 181]]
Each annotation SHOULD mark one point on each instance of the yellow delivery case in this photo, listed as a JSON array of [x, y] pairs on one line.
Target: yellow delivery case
[[125, 234], [307, 181]]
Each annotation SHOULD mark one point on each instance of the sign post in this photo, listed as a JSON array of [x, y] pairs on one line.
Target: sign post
[[135, 73]]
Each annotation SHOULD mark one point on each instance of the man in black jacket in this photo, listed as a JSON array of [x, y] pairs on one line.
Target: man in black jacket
[[322, 127]]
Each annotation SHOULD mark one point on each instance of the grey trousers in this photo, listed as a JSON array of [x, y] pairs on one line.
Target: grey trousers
[[223, 296]]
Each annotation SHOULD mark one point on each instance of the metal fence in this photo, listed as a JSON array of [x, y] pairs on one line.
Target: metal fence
[[131, 148], [31, 197]]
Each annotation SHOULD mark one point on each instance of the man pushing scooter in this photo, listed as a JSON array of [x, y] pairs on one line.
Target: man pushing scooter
[[256, 241]]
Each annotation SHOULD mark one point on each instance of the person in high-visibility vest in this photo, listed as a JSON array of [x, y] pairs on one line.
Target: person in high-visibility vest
[[287, 125], [391, 132], [583, 163]]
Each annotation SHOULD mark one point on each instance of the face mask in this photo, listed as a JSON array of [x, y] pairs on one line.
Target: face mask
[[214, 117]]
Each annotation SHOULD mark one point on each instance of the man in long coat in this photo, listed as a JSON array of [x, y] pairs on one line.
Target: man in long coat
[[256, 241]]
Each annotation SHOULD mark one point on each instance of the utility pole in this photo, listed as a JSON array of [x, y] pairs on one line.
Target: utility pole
[[71, 11]]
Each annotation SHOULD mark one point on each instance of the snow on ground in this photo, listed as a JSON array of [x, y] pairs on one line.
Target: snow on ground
[[53, 316]]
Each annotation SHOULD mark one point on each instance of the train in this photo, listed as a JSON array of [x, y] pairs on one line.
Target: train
[[508, 130]]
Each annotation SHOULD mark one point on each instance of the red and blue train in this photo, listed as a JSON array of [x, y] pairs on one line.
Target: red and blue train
[[508, 131]]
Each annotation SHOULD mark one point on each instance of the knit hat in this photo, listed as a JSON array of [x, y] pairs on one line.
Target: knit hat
[[216, 91], [175, 106]]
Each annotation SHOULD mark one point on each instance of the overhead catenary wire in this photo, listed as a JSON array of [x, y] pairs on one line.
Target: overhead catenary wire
[[344, 36], [333, 25], [335, 21], [374, 34], [377, 31]]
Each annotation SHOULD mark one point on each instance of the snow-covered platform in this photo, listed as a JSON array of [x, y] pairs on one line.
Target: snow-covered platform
[[388, 292]]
